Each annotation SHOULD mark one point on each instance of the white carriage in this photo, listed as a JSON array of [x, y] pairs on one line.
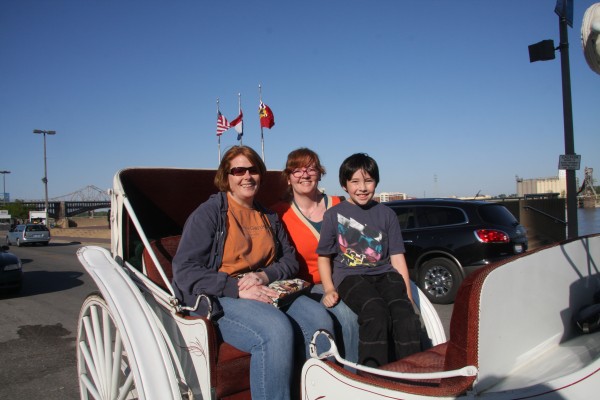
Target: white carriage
[[511, 334]]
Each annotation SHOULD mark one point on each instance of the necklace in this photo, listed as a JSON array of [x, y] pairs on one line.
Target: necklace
[[309, 213]]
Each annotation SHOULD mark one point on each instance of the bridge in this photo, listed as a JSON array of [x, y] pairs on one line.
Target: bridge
[[83, 200], [66, 209]]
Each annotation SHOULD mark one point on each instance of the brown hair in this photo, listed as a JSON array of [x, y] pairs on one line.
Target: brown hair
[[301, 158], [222, 178]]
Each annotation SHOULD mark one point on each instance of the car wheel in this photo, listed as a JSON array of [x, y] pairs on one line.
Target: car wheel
[[44, 243], [16, 289], [439, 279]]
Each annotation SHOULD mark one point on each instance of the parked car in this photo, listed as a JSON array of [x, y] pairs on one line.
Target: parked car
[[28, 234], [11, 273], [446, 239]]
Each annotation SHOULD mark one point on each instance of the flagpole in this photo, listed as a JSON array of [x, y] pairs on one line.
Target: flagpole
[[219, 137], [239, 112], [262, 139]]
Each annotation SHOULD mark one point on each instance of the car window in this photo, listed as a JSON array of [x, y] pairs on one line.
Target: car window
[[497, 214], [37, 228], [406, 217], [438, 216]]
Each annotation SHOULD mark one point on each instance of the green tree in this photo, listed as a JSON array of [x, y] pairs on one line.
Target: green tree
[[18, 210]]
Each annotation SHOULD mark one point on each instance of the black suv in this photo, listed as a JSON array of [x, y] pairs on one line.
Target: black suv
[[446, 239]]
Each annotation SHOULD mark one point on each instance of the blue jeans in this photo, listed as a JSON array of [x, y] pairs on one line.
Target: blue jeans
[[271, 336], [345, 323]]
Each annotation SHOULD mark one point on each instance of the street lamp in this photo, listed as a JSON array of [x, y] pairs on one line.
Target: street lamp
[[544, 51], [4, 186], [45, 178]]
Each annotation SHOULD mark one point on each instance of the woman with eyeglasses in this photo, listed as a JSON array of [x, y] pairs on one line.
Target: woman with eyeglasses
[[302, 214], [231, 235]]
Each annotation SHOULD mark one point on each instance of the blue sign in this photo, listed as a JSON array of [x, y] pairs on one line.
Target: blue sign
[[564, 9]]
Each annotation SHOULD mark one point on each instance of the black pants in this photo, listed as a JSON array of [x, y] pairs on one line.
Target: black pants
[[385, 317]]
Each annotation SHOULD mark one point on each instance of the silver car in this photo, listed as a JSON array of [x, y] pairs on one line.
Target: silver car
[[28, 234]]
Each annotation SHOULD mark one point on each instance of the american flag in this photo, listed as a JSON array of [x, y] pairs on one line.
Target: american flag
[[222, 124]]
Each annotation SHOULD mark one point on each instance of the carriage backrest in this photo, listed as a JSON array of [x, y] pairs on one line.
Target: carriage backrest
[[164, 249], [163, 198]]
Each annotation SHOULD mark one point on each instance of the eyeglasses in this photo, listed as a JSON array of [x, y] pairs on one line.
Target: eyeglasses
[[310, 171], [241, 171]]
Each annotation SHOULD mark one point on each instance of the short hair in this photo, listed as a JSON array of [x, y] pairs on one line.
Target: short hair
[[222, 177], [355, 163], [300, 158]]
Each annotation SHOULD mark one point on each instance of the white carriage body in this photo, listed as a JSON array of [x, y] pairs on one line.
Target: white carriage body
[[523, 337]]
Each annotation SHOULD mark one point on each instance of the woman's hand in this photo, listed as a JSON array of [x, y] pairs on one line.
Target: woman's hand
[[251, 286], [331, 298], [259, 293], [252, 279]]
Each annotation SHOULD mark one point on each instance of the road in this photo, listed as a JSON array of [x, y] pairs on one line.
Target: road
[[39, 325]]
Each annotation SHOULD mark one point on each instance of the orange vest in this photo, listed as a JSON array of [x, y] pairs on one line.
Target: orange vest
[[304, 237]]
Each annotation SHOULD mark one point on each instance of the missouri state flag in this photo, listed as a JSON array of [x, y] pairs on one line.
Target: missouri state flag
[[238, 125], [222, 123], [267, 120]]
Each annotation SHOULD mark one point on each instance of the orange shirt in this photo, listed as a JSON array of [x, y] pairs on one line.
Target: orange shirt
[[304, 237], [249, 244]]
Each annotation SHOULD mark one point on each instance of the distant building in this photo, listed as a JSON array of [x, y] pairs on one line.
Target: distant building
[[556, 184], [390, 196]]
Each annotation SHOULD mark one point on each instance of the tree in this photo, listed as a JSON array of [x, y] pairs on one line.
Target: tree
[[18, 210]]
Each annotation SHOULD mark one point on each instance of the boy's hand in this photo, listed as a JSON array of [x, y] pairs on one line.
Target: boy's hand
[[331, 298]]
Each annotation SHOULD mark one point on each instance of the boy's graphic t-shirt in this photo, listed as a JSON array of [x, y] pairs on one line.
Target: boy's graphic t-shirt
[[362, 239]]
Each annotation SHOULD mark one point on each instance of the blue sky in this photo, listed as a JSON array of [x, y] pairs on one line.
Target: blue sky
[[441, 93]]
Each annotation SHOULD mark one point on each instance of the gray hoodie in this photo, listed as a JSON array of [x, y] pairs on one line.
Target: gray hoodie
[[199, 255]]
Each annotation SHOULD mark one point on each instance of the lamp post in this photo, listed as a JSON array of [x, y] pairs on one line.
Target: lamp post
[[544, 51], [45, 179], [4, 186]]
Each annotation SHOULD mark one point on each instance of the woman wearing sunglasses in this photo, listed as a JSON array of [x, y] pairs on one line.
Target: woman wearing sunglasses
[[231, 235], [302, 215]]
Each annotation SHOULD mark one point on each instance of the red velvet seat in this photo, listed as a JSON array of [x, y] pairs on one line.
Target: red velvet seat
[[459, 351], [232, 378]]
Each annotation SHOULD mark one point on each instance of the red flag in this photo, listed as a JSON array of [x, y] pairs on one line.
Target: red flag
[[267, 120], [238, 124], [222, 124]]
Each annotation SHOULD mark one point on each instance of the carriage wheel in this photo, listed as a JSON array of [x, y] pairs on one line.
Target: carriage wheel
[[104, 368]]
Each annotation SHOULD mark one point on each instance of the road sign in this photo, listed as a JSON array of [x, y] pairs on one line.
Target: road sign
[[564, 9], [569, 161]]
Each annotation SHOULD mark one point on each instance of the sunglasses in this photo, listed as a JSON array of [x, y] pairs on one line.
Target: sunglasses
[[241, 171]]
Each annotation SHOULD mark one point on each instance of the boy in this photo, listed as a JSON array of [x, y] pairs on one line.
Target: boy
[[362, 239]]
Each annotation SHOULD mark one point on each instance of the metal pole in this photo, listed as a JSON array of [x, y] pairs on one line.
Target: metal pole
[[45, 178], [572, 225], [4, 186]]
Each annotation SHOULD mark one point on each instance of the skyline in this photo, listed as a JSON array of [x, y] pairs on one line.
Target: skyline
[[441, 94]]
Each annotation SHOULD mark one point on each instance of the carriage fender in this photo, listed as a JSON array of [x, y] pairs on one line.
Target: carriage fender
[[156, 377]]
